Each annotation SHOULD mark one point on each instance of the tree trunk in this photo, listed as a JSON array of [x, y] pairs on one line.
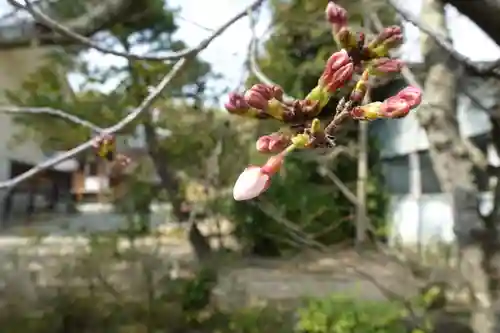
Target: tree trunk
[[170, 183], [453, 165]]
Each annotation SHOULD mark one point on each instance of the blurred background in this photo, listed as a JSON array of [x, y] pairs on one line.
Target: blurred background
[[393, 230]]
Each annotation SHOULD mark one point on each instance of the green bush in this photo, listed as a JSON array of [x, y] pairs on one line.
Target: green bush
[[346, 315]]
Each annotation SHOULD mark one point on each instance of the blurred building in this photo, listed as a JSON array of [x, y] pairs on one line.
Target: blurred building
[[24, 45]]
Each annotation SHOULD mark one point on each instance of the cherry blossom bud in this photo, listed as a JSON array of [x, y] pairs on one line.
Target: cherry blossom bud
[[105, 147], [259, 95], [336, 15], [236, 104], [385, 66], [412, 95], [256, 100], [254, 180], [250, 184], [272, 143], [389, 38], [338, 71], [394, 107], [384, 35], [262, 144]]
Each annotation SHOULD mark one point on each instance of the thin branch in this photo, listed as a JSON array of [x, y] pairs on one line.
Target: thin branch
[[340, 184], [254, 65], [51, 111], [196, 24], [143, 106], [446, 44], [172, 56]]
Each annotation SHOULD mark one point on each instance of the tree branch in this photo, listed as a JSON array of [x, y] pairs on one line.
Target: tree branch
[[172, 56], [97, 17], [480, 70], [254, 64], [143, 106], [51, 111]]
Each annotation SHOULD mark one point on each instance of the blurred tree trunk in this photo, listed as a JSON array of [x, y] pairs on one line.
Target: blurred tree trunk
[[453, 165]]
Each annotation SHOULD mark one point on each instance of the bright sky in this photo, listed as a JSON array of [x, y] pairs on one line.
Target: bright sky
[[227, 54]]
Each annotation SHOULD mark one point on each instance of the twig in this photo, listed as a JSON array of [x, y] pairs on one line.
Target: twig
[[486, 70], [172, 56], [154, 93], [51, 111], [254, 65]]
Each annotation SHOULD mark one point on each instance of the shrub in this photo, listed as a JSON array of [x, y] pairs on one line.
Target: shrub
[[338, 314]]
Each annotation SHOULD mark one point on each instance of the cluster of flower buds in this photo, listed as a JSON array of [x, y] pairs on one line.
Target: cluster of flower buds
[[105, 147], [263, 101], [370, 60], [254, 180], [380, 46]]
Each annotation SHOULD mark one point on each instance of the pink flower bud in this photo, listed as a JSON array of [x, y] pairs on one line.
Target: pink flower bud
[[254, 180], [278, 142], [394, 107], [250, 184], [266, 91], [273, 143], [260, 94], [387, 65], [262, 144], [338, 70], [412, 95], [256, 99], [336, 15], [386, 34], [236, 104]]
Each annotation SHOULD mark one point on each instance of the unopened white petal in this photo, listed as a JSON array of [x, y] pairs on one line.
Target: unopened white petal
[[249, 184]]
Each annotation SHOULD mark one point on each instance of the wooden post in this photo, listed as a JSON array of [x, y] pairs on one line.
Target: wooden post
[[361, 213]]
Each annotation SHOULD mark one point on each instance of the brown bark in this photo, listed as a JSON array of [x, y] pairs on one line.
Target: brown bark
[[454, 166]]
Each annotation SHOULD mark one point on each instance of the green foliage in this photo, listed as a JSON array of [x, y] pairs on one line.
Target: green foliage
[[303, 206], [347, 315], [151, 27]]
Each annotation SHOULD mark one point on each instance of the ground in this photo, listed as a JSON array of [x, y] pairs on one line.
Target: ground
[[33, 254]]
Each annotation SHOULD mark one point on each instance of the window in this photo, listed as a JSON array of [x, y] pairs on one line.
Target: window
[[396, 172]]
